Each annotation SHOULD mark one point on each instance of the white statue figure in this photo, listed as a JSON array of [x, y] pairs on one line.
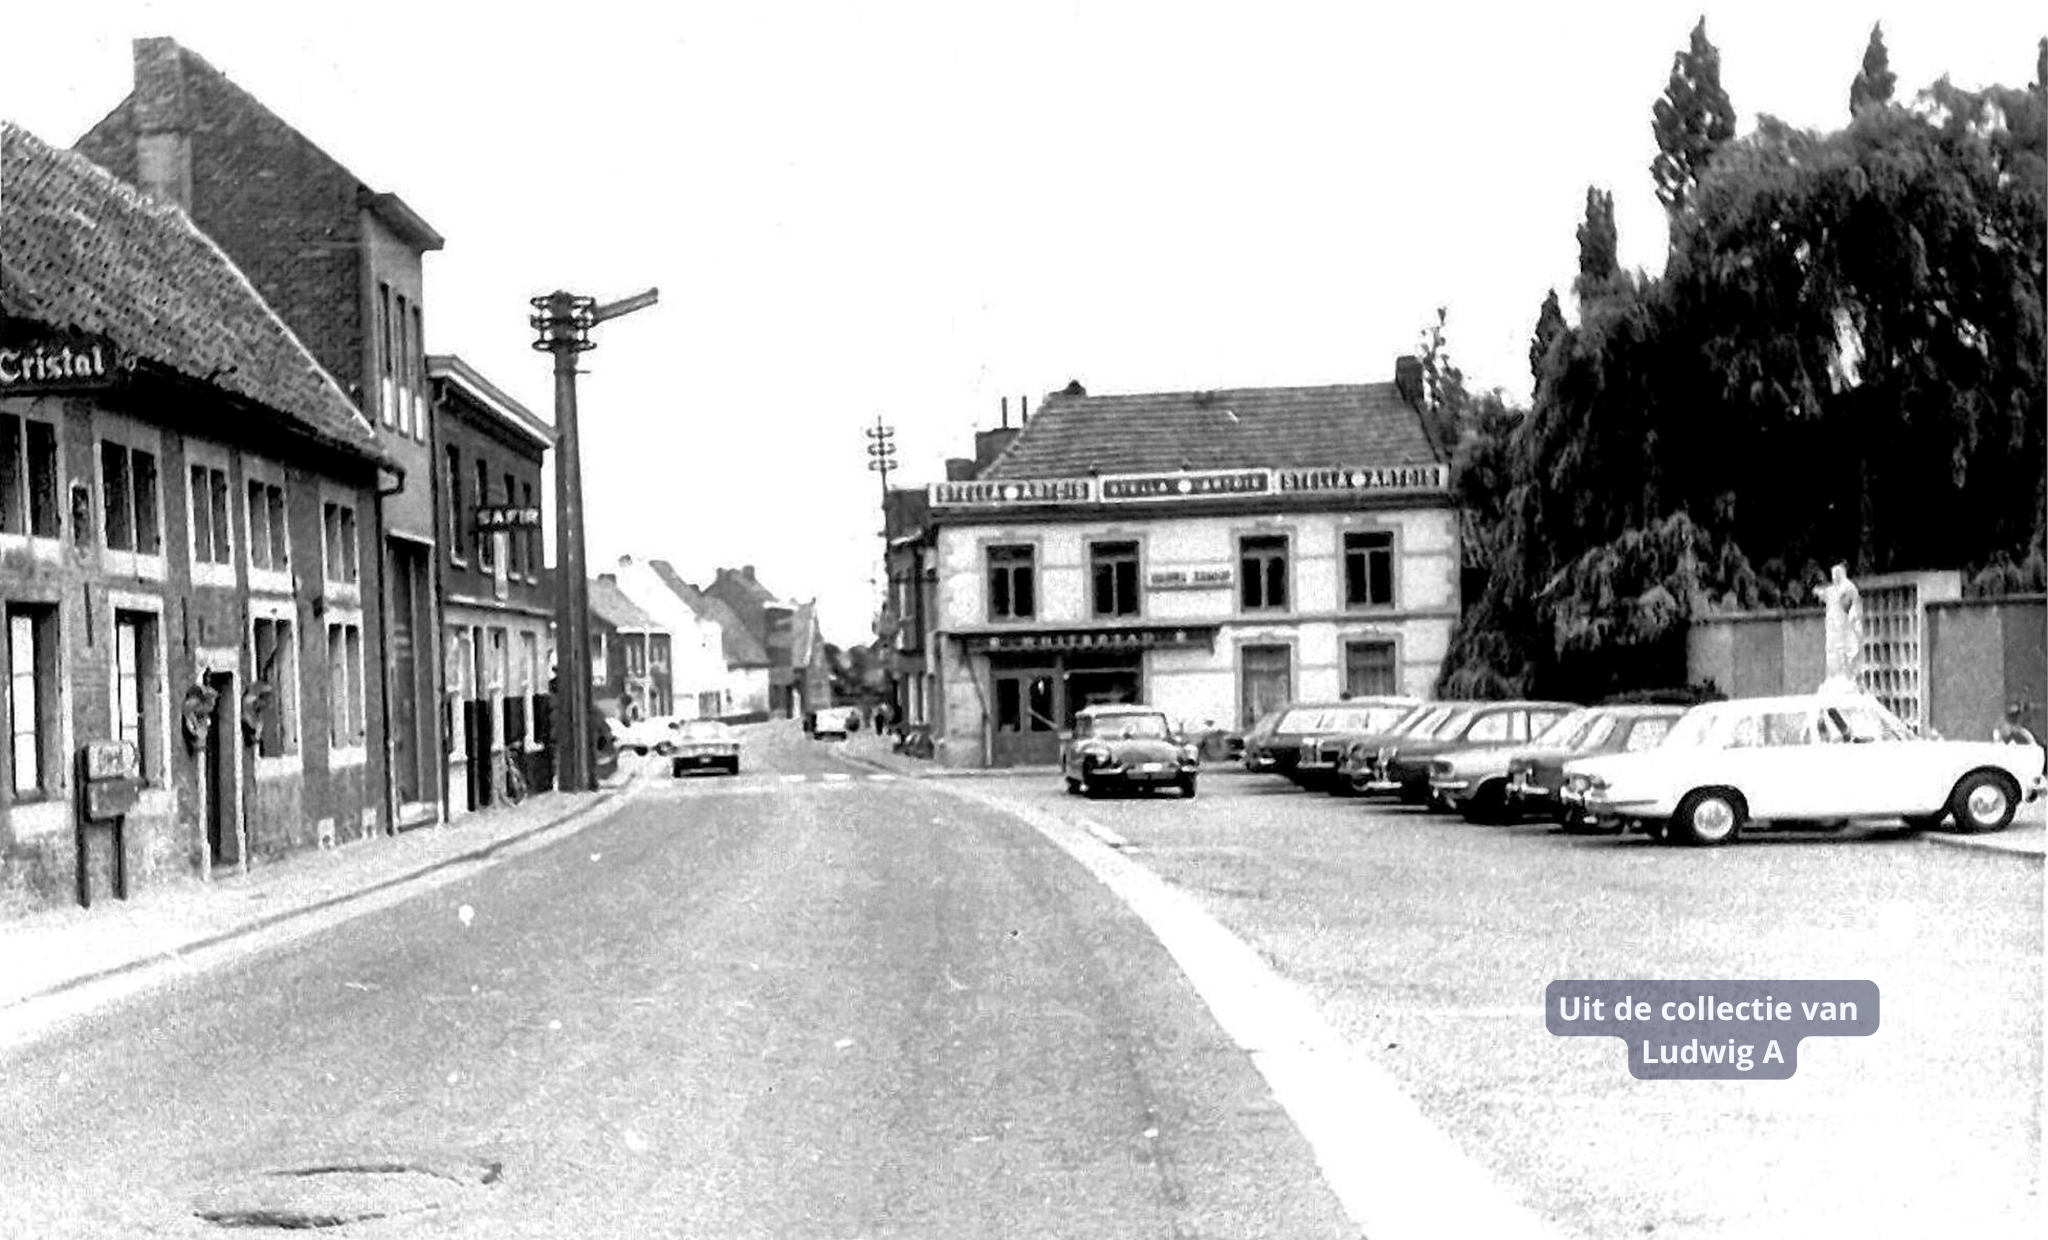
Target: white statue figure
[[1844, 641]]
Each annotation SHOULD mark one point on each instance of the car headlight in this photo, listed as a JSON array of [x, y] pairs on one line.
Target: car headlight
[[1190, 753]]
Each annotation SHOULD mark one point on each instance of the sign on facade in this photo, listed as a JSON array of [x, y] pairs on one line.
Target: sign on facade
[[500, 517], [59, 364], [1185, 484], [1189, 579], [1132, 639]]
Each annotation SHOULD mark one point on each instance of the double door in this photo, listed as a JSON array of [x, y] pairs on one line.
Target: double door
[[1032, 703]]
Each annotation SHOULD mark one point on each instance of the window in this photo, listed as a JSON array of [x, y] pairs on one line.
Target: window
[[386, 404], [461, 664], [417, 375], [1369, 568], [1487, 729], [269, 546], [636, 654], [486, 551], [531, 533], [401, 364], [212, 541], [346, 710], [1262, 572], [657, 650], [32, 702], [338, 537], [137, 704], [28, 477], [531, 687], [128, 494], [1369, 668], [515, 540], [1114, 578], [1647, 734], [457, 541], [1266, 681], [1011, 595], [275, 660], [600, 658]]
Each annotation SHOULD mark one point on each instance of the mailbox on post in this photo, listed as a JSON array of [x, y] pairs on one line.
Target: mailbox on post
[[109, 781]]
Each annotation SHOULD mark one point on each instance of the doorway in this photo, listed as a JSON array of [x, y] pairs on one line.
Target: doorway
[[1028, 707], [217, 768], [1265, 681]]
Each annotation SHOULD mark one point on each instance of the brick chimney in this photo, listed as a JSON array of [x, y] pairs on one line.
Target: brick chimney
[[988, 444], [163, 123], [1408, 380], [747, 571]]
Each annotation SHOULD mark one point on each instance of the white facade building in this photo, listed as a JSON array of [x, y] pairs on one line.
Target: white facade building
[[1305, 548], [701, 684]]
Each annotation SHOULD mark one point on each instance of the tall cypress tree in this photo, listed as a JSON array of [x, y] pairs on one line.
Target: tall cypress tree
[[1550, 325], [1599, 245], [1874, 82], [1691, 121]]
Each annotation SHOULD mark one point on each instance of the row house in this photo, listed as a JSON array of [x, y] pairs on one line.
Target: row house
[[189, 525], [705, 683], [343, 265], [495, 598], [629, 656], [784, 632], [1215, 554]]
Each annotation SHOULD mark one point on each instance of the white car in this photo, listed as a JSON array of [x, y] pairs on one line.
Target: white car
[[656, 734], [1812, 759], [705, 743]]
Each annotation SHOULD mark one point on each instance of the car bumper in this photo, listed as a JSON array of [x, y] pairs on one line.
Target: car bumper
[[1141, 773], [2038, 789], [704, 758]]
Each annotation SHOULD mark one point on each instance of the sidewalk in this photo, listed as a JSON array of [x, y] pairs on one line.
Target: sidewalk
[[2027, 836], [54, 950]]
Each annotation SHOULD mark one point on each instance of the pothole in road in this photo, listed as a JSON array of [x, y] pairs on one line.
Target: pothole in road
[[337, 1194]]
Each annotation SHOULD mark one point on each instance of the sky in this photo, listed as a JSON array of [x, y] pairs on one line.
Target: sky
[[911, 211]]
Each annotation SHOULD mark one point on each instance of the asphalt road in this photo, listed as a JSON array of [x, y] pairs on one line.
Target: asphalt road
[[764, 1006], [1429, 942]]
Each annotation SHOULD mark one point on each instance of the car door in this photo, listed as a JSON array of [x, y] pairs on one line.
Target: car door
[[1884, 770], [1771, 759]]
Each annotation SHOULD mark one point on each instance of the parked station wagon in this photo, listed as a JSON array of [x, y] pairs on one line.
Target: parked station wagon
[[1812, 760]]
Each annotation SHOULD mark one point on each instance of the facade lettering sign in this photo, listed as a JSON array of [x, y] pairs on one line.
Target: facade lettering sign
[[1160, 637], [58, 364], [502, 517], [1187, 486], [1183, 485], [1189, 579], [1399, 478]]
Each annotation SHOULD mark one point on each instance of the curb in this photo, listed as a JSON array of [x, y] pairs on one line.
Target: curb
[[1993, 843], [283, 915]]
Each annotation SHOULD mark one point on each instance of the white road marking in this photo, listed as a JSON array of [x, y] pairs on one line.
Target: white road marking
[[1397, 1175], [794, 779], [880, 779], [836, 777], [1104, 834]]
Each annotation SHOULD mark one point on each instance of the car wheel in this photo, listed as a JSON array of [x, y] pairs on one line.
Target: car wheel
[[1489, 804], [733, 767], [1708, 816], [675, 770], [1187, 787], [1073, 786], [1983, 801]]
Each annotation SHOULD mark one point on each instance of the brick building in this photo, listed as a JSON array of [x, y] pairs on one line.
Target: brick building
[[188, 524], [1211, 553], [496, 603], [341, 264]]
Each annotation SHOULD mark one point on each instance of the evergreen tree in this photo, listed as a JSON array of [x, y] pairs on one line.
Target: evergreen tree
[[1692, 121], [1874, 82], [1550, 325], [1599, 245]]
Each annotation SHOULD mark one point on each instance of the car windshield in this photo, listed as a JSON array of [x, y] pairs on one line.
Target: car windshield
[[1560, 734], [1364, 718], [703, 730], [1140, 727], [1300, 719]]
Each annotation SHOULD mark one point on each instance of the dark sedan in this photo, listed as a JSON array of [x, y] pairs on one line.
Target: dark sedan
[[1279, 750], [1126, 747], [1535, 776], [1315, 767], [1344, 753], [1404, 766]]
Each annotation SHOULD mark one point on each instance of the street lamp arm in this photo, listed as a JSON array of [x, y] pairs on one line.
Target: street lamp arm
[[625, 305]]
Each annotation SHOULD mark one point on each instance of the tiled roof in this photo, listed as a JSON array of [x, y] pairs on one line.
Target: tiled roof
[[80, 250], [1242, 428], [610, 602], [740, 647]]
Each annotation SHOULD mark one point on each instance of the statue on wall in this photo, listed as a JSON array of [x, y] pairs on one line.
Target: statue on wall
[[1844, 633]]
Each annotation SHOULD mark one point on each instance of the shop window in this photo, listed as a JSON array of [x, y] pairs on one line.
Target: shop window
[[1262, 572], [1012, 593], [33, 723], [28, 477], [1114, 568], [276, 663], [1369, 668], [1369, 568], [128, 497], [338, 537], [212, 540], [137, 704], [269, 541]]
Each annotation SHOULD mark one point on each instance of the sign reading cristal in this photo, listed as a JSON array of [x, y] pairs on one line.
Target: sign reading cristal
[[57, 364]]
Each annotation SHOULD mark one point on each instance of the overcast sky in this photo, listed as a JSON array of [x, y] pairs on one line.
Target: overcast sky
[[913, 210]]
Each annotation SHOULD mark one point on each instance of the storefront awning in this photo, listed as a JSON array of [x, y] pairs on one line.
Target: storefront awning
[[1121, 638]]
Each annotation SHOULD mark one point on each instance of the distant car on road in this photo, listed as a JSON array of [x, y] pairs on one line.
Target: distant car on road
[[1814, 760], [705, 744], [654, 734], [835, 722], [1126, 747]]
